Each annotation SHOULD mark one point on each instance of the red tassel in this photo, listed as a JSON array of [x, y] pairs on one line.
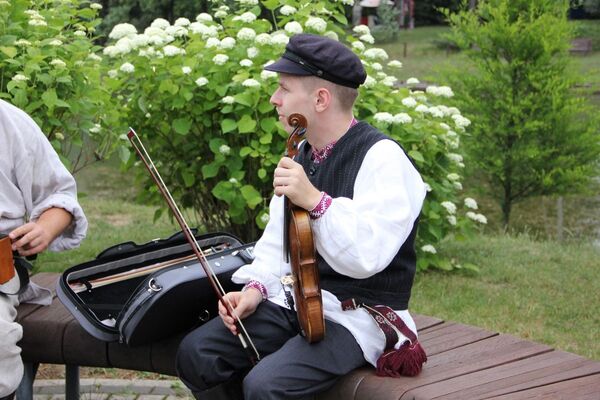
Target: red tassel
[[407, 361]]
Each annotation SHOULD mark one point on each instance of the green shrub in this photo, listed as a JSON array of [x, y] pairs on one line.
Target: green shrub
[[531, 135], [49, 68]]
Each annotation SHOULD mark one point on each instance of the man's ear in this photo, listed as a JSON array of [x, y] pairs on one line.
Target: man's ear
[[322, 99]]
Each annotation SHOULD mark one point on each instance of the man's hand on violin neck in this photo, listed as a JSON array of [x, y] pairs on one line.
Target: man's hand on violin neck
[[290, 180]]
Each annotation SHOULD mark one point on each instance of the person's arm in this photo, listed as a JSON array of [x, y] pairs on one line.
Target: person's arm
[[35, 236]]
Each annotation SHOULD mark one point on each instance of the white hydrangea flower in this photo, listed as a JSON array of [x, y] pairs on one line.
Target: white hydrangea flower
[[453, 176], [127, 68], [358, 45], [370, 82], [263, 39], [429, 249], [455, 158], [279, 38], [317, 24], [445, 126], [182, 22], [409, 102], [212, 42], [443, 91], [331, 35], [246, 34], [160, 23], [138, 41], [395, 64], [37, 22], [376, 66], [252, 52], [79, 33], [233, 180], [204, 17], [186, 70], [453, 111], [122, 30], [367, 39], [59, 136], [361, 30], [402, 118], [19, 78], [201, 81], [470, 203], [228, 100], [248, 2], [451, 219], [449, 206], [148, 115], [293, 28], [96, 128], [435, 111], [287, 10], [460, 121], [96, 6], [412, 81], [477, 217], [228, 43], [348, 2], [58, 63], [264, 75], [220, 59], [23, 42], [55, 42], [251, 83], [176, 31], [376, 53], [246, 17], [112, 73], [172, 51], [389, 81], [384, 117], [427, 187], [246, 63], [422, 108], [224, 149], [221, 14], [94, 57], [457, 185]]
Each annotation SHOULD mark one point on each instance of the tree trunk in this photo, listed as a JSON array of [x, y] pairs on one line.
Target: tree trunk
[[472, 4]]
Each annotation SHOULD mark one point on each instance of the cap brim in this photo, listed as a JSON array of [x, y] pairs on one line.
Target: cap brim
[[287, 67]]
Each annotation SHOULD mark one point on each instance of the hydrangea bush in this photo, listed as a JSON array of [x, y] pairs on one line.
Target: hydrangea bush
[[50, 69]]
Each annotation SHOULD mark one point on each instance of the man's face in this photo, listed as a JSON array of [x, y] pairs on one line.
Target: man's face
[[292, 96]]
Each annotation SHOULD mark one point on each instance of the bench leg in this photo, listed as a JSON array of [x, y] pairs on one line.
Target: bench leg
[[72, 382], [25, 389]]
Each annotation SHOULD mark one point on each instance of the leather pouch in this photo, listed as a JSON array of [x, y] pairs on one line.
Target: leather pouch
[[7, 268]]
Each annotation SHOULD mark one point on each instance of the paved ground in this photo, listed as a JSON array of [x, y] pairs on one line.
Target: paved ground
[[113, 389]]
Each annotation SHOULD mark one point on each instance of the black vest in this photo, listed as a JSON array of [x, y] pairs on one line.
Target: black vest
[[336, 176]]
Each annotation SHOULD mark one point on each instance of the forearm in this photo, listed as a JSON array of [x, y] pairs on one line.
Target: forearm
[[54, 221]]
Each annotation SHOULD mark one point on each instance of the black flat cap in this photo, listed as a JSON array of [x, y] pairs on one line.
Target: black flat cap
[[307, 54]]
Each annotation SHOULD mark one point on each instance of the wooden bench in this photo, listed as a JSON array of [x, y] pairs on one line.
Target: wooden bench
[[465, 362], [581, 46]]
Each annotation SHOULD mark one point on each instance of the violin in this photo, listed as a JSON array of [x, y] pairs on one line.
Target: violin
[[299, 249]]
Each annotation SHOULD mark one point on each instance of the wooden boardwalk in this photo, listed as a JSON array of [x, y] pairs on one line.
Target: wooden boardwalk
[[466, 362]]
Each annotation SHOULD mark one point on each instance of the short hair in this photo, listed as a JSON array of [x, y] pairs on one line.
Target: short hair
[[344, 96]]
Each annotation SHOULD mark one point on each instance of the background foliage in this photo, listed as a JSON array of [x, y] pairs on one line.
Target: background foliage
[[530, 136], [48, 67]]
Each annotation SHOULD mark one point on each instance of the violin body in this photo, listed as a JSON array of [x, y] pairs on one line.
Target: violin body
[[303, 261]]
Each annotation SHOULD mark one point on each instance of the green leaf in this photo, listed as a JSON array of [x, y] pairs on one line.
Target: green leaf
[[182, 125], [188, 178], [223, 191], [416, 156], [228, 125], [251, 195], [266, 139], [210, 170], [245, 151], [11, 52], [268, 124], [246, 124], [262, 173], [50, 98], [244, 99]]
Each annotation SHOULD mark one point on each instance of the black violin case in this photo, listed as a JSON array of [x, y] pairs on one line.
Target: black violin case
[[137, 294]]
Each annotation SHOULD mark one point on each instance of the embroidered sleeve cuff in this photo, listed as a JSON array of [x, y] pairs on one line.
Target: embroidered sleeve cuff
[[259, 286], [321, 207]]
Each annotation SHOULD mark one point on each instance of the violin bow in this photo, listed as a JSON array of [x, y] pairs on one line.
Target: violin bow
[[242, 334]]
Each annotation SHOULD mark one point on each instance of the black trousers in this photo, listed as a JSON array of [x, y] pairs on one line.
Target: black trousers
[[290, 367]]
